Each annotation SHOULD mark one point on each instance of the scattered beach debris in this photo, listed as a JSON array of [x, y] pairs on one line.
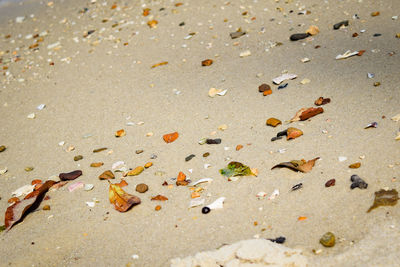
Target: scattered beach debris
[[297, 165], [121, 200], [330, 183], [70, 175], [328, 240], [273, 122], [341, 24], [371, 125], [171, 137], [236, 169], [217, 204], [348, 54], [278, 80], [306, 113], [385, 198], [322, 101], [356, 181]]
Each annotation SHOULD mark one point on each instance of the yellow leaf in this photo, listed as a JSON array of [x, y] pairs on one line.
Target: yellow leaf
[[122, 201]]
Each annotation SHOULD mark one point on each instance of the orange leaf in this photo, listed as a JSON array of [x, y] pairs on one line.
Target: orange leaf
[[169, 138], [297, 165], [146, 12], [122, 201], [159, 197], [16, 212], [181, 177], [122, 183], [293, 133]]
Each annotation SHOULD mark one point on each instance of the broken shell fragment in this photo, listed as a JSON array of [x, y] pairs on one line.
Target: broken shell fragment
[[120, 133], [273, 122], [371, 125], [152, 23], [136, 171], [217, 204], [284, 77]]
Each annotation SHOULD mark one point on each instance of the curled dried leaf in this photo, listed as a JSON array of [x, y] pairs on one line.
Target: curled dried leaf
[[385, 198], [293, 133], [122, 201], [297, 165]]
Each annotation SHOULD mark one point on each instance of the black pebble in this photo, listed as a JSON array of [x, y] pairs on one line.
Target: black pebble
[[297, 186], [190, 157], [282, 86], [182, 24], [279, 240], [283, 133], [357, 182], [340, 24], [214, 141], [205, 210], [276, 138], [377, 34], [298, 36]]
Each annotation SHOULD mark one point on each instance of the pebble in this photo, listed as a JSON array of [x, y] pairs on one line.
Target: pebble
[[3, 170], [2, 148], [31, 116], [139, 151], [189, 157], [88, 187], [148, 165], [282, 86], [264, 87], [273, 122], [279, 240], [153, 156], [340, 24], [157, 208], [205, 155], [28, 169], [79, 157], [106, 175], [376, 84], [357, 182], [70, 175], [99, 150], [141, 188], [297, 187], [136, 171], [355, 165], [96, 164], [205, 210], [330, 183], [298, 36], [46, 207], [120, 133], [328, 240], [342, 158], [213, 141], [237, 34], [245, 53], [207, 62]]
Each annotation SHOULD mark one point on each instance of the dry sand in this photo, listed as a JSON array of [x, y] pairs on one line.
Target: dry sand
[[99, 83]]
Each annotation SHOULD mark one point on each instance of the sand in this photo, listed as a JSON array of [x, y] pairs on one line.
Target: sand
[[92, 86]]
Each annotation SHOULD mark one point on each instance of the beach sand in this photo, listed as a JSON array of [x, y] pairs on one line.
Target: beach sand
[[93, 86]]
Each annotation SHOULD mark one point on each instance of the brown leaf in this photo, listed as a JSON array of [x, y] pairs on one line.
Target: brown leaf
[[106, 175], [297, 165], [159, 197], [385, 198], [293, 133], [17, 212], [122, 201], [70, 175], [169, 138]]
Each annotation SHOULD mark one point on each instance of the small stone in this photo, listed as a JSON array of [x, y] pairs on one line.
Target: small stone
[[330, 183], [70, 175], [2, 148], [88, 187], [139, 151], [264, 87], [31, 116], [338, 25], [245, 53], [298, 36], [157, 208], [205, 155], [96, 164], [148, 165], [136, 171], [189, 157], [374, 14], [273, 122], [238, 147], [237, 34], [28, 169], [153, 156], [205, 210], [120, 133], [207, 62], [106, 175], [79, 157], [141, 188], [322, 101], [99, 150], [267, 92], [328, 240], [355, 165], [46, 207], [213, 141], [357, 182], [376, 84], [152, 23]]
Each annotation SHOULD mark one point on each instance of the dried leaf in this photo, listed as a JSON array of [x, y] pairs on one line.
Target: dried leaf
[[297, 165], [169, 138], [122, 183], [293, 133], [181, 179], [159, 64], [152, 23], [17, 212], [306, 113], [236, 169], [385, 198], [122, 201], [273, 122], [106, 175], [120, 133], [160, 198], [322, 101]]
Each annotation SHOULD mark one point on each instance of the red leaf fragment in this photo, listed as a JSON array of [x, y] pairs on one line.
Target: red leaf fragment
[[310, 112]]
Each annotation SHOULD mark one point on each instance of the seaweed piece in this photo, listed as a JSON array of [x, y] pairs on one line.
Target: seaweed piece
[[236, 169], [385, 198]]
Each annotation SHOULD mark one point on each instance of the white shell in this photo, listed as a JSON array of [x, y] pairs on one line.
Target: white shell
[[196, 202], [88, 187], [284, 77], [217, 204], [347, 54], [274, 194], [203, 180], [24, 190]]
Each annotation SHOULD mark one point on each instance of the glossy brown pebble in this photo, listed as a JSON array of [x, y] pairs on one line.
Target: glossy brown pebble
[[106, 175], [96, 164], [148, 165], [328, 240], [2, 148], [355, 165], [205, 155], [46, 207], [273, 122], [79, 157], [267, 92], [206, 62], [376, 84], [70, 175], [139, 151], [141, 188], [157, 208], [264, 87], [330, 183]]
